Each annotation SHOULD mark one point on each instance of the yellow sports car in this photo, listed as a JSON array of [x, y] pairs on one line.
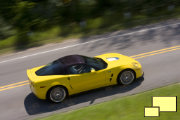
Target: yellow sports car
[[76, 73]]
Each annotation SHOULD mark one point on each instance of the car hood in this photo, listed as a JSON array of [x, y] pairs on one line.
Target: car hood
[[115, 59]]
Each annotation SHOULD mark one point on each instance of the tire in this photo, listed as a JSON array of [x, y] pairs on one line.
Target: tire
[[57, 94], [126, 77]]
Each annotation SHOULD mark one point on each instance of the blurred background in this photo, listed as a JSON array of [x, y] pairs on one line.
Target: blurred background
[[29, 23]]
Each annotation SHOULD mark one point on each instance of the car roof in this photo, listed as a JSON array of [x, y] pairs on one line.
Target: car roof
[[72, 60]]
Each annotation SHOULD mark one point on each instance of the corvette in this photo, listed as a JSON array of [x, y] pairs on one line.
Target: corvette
[[76, 73]]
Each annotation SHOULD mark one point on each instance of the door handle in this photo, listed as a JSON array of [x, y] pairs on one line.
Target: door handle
[[68, 78]]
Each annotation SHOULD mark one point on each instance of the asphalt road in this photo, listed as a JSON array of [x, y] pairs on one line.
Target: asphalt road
[[160, 69]]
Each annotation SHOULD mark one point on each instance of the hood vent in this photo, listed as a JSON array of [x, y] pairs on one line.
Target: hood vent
[[112, 58]]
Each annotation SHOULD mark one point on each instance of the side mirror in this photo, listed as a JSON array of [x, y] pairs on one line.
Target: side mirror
[[92, 70]]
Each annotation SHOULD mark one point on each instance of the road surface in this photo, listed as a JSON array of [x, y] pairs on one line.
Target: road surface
[[161, 68]]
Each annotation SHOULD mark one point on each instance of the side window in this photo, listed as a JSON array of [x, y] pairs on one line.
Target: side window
[[78, 69]]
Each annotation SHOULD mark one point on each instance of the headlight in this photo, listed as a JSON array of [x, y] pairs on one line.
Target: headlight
[[136, 65]]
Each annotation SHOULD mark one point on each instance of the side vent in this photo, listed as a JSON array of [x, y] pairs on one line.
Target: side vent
[[111, 77]]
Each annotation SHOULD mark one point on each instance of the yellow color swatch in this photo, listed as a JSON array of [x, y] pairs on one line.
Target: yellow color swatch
[[151, 111], [168, 104]]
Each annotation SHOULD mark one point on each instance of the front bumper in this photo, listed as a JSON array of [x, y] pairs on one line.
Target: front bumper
[[139, 73]]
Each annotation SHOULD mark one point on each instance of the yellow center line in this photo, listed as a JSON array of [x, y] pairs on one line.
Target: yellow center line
[[14, 86], [155, 53], [138, 56], [178, 46]]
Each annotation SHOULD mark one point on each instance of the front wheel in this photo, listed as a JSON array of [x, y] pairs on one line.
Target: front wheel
[[57, 94], [126, 77]]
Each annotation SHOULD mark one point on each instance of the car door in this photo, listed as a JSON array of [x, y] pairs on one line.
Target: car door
[[83, 77]]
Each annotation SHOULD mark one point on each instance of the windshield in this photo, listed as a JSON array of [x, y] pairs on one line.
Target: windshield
[[54, 68], [95, 62]]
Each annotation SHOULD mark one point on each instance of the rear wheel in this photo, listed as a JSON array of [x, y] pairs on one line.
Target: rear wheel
[[57, 94], [126, 77]]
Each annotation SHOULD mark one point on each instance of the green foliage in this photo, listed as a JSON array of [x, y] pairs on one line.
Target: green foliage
[[5, 30], [22, 40], [95, 23], [23, 17], [8, 42], [44, 35]]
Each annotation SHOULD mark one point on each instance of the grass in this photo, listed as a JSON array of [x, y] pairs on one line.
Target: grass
[[126, 108]]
